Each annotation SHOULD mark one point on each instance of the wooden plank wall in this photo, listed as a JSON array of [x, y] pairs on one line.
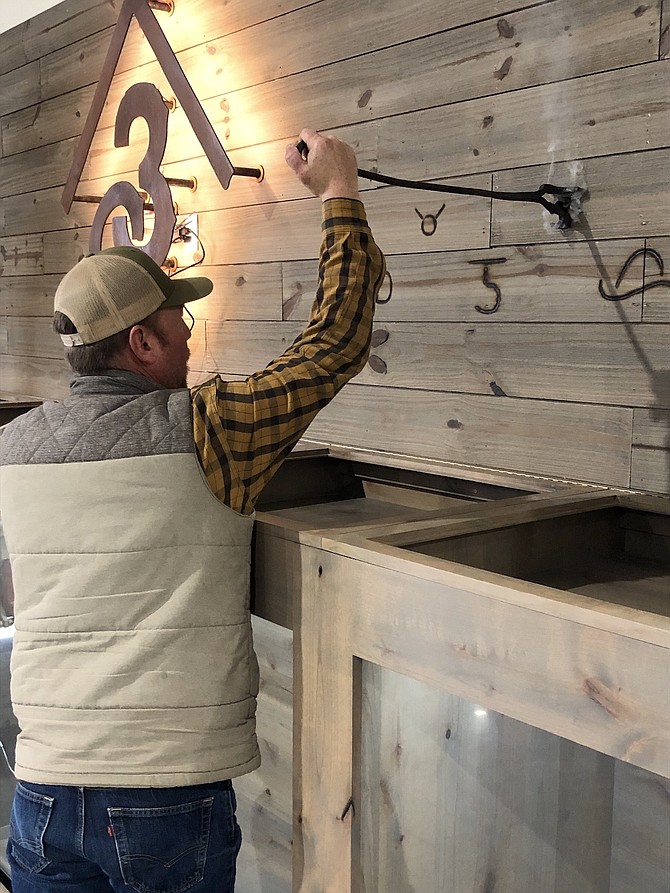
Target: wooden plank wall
[[559, 381]]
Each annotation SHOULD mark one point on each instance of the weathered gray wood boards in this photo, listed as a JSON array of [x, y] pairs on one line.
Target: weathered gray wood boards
[[265, 796], [449, 794], [562, 90]]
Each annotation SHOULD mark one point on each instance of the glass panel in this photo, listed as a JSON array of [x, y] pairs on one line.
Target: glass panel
[[457, 799]]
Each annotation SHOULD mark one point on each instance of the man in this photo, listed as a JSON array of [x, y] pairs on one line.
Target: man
[[127, 511]]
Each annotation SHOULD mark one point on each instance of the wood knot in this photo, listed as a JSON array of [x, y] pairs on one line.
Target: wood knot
[[604, 697]]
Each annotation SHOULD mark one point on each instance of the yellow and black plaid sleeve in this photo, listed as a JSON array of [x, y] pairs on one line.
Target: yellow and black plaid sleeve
[[244, 429]]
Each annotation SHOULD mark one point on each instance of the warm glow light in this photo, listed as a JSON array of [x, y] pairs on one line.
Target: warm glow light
[[162, 5]]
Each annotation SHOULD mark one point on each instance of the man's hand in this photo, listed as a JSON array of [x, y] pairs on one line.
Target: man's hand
[[330, 169]]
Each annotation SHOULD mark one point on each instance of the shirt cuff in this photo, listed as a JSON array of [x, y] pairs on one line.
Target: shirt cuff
[[343, 214]]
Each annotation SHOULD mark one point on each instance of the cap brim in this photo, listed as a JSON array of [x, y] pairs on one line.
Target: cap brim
[[186, 290]]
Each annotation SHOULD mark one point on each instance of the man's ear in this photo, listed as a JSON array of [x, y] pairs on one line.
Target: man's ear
[[143, 344]]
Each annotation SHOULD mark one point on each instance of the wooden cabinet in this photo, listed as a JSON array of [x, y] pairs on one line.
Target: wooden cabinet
[[330, 492], [480, 700]]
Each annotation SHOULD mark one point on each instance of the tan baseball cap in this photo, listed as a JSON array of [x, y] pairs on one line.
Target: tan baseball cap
[[112, 290]]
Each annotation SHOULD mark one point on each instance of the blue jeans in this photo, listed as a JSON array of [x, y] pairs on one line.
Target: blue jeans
[[147, 840]]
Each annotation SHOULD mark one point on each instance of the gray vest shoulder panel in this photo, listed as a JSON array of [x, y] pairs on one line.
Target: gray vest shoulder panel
[[96, 426]]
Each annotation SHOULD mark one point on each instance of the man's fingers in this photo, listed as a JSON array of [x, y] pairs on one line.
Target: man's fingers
[[294, 159], [308, 136]]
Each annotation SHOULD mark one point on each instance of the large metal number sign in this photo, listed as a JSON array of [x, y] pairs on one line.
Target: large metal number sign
[[144, 101], [140, 101]]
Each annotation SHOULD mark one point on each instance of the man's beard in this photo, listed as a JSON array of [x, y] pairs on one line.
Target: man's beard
[[184, 383]]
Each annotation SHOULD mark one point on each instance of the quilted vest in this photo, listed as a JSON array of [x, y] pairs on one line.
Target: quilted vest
[[133, 662]]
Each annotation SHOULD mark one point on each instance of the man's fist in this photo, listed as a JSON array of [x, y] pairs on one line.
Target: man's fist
[[330, 169]]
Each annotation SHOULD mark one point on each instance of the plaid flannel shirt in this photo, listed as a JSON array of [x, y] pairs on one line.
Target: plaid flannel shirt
[[244, 430]]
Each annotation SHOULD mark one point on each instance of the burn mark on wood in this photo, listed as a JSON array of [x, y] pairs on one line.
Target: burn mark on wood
[[488, 120], [447, 734], [16, 255], [501, 73], [390, 281], [379, 336], [489, 882], [454, 424], [377, 364], [497, 390], [364, 99], [475, 152], [291, 303], [604, 697], [505, 29], [429, 221], [211, 50], [240, 281], [349, 807], [486, 280], [640, 11], [656, 283]]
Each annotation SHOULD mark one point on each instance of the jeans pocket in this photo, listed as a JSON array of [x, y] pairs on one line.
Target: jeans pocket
[[162, 849], [29, 819]]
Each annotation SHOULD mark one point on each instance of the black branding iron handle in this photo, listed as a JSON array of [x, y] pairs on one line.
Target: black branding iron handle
[[566, 204]]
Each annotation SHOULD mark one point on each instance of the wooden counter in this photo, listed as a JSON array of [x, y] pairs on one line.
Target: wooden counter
[[464, 728], [322, 493]]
